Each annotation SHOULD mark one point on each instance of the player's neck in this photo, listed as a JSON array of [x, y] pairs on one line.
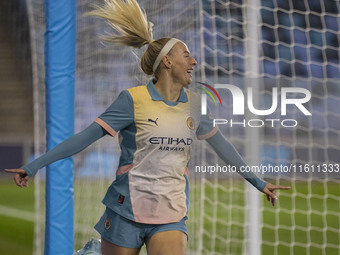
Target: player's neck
[[168, 89]]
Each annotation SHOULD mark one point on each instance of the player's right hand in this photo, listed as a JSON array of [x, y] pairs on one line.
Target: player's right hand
[[20, 177]]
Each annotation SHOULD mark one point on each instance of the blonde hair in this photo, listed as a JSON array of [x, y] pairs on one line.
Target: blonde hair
[[130, 21]]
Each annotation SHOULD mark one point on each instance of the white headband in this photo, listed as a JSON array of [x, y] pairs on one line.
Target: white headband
[[165, 50]]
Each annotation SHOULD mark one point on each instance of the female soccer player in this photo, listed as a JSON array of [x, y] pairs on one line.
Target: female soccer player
[[148, 201]]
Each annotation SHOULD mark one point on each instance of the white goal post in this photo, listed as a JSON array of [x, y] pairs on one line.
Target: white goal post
[[273, 44]]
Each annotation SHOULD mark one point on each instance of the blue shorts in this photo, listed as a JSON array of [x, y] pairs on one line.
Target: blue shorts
[[129, 234]]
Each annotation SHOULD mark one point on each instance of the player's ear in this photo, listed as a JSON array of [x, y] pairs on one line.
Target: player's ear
[[167, 61]]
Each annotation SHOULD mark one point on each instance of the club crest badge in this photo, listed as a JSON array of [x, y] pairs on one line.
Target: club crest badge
[[107, 224], [191, 123]]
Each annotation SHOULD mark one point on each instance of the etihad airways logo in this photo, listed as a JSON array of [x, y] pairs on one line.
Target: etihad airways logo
[[170, 143], [170, 140], [239, 99]]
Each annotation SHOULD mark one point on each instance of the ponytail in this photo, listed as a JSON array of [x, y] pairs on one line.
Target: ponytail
[[128, 19]]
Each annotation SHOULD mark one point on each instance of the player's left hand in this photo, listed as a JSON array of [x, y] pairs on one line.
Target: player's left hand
[[20, 177], [269, 190]]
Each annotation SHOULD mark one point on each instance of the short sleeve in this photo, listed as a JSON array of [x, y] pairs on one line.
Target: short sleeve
[[119, 115], [206, 127]]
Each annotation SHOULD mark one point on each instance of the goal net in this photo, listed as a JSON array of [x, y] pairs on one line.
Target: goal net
[[267, 46]]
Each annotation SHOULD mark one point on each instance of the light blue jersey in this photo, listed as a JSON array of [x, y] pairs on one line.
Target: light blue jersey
[[155, 138]]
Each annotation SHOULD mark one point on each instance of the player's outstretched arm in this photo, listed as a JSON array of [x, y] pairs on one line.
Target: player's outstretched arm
[[67, 148], [228, 153]]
